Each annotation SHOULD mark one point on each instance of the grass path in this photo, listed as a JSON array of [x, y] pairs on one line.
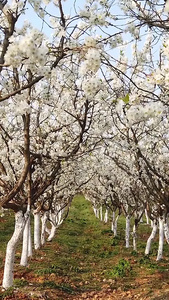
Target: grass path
[[85, 262]]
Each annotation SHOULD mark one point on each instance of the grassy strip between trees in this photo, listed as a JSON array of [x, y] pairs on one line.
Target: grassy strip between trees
[[84, 259]]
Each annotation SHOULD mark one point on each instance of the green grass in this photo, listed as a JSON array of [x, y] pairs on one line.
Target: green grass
[[83, 240]]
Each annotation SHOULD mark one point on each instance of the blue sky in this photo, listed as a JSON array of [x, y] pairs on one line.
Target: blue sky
[[31, 16]]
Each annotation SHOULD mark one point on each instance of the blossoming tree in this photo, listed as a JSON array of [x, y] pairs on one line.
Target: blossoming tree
[[68, 95]]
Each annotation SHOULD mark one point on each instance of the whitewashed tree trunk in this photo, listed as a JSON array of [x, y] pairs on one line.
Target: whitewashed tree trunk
[[161, 238], [127, 236], [106, 216], [59, 223], [113, 221], [59, 216], [114, 224], [166, 231], [147, 218], [151, 237], [97, 213], [141, 220], [30, 240], [135, 237], [53, 221], [152, 224], [52, 233], [20, 221], [48, 230], [101, 213], [37, 240], [44, 221], [25, 244], [94, 209]]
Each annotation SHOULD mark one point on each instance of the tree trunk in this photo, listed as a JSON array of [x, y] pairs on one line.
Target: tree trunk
[[106, 216], [37, 241], [113, 221], [161, 238], [135, 237], [59, 217], [52, 232], [94, 209], [127, 236], [101, 213], [30, 240], [166, 231], [114, 224], [151, 237], [25, 244], [20, 221], [44, 221], [53, 221], [147, 218]]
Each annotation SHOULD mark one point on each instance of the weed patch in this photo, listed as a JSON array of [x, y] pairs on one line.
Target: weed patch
[[122, 269], [134, 253], [115, 241], [146, 261], [106, 254]]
